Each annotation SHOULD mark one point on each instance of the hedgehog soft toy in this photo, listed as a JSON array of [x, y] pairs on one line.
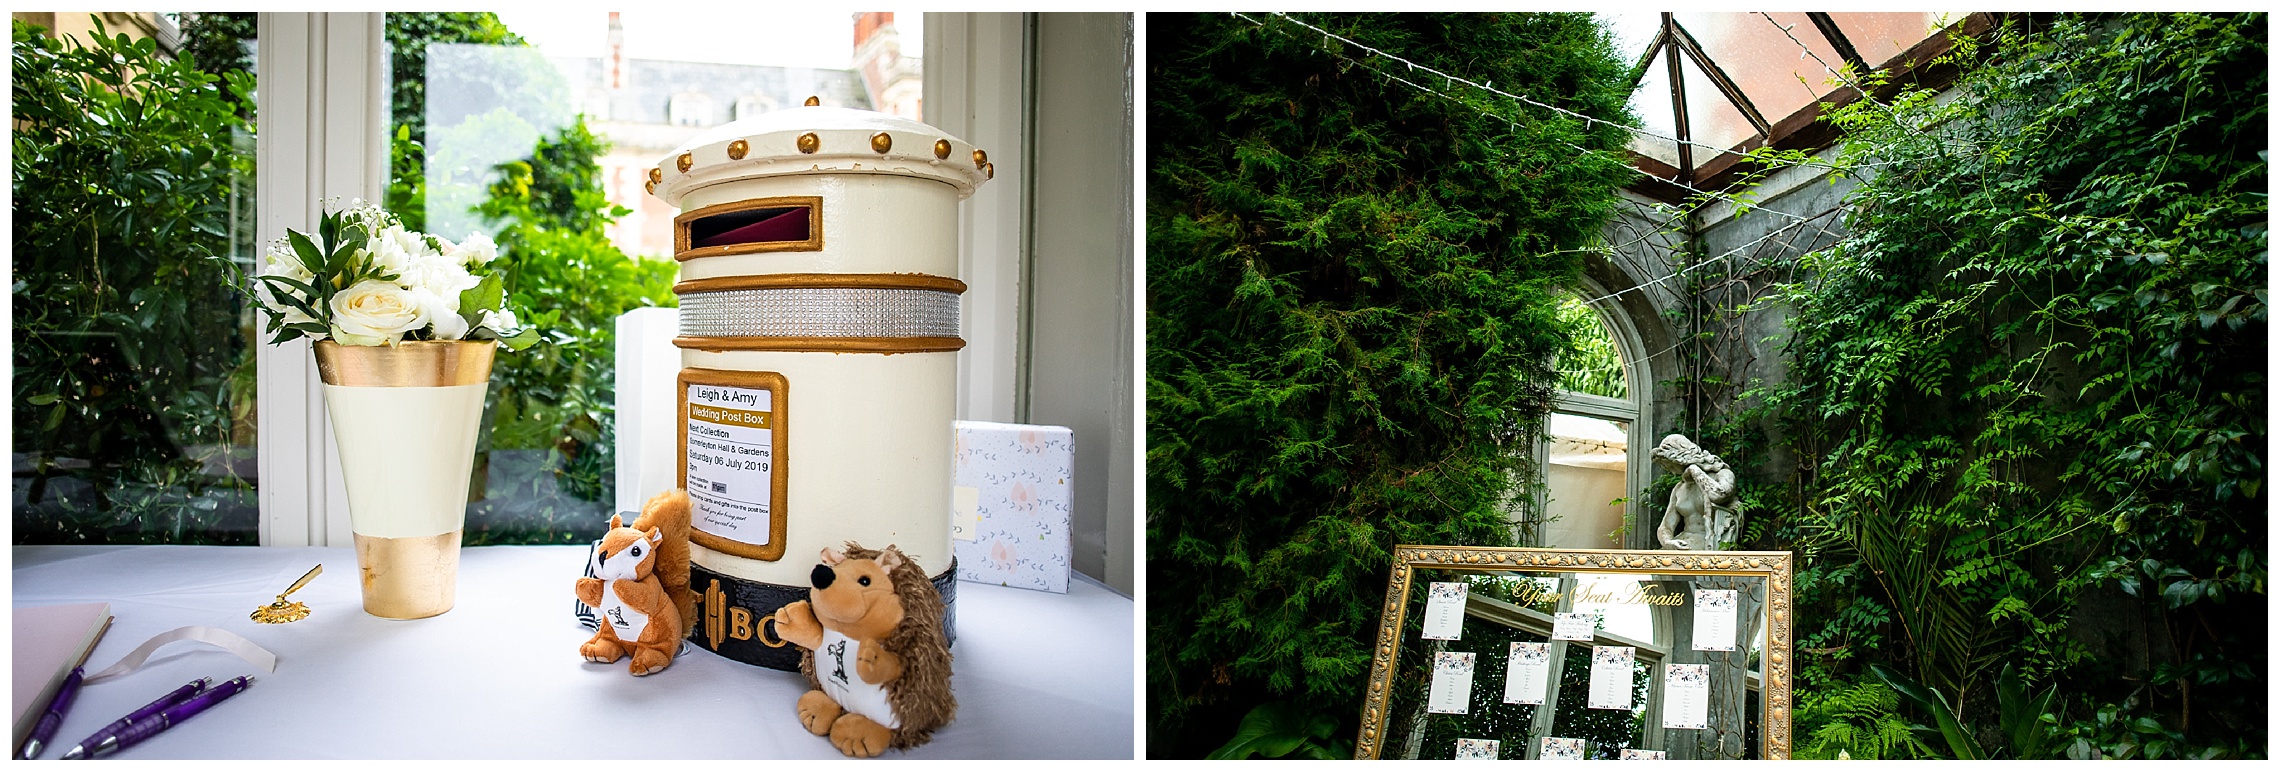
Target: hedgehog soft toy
[[877, 663]]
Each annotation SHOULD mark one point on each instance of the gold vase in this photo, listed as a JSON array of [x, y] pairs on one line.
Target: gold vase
[[404, 421]]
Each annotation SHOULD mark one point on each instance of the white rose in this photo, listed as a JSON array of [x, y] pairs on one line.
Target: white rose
[[346, 338], [414, 243], [477, 250], [501, 321], [440, 275], [375, 309], [280, 260], [444, 313], [387, 252], [289, 267]]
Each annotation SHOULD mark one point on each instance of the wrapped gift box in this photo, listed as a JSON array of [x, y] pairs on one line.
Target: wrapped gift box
[[1014, 488]]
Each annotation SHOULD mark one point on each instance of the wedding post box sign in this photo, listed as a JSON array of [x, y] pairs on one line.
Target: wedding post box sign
[[1012, 494], [732, 448]]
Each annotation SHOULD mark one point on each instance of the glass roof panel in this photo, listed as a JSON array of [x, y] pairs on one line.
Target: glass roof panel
[[1879, 37], [1710, 116], [1780, 64], [1651, 101], [1778, 76]]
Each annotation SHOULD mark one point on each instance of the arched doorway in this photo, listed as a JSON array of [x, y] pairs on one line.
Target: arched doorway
[[1593, 456]]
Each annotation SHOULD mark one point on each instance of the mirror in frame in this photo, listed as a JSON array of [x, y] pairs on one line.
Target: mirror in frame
[[1526, 653]]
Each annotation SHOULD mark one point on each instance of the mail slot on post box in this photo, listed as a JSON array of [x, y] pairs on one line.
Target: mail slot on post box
[[819, 336]]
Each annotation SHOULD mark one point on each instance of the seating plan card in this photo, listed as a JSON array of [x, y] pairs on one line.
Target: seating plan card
[[1526, 672], [1686, 697], [1713, 620], [1611, 677], [1452, 683], [1445, 611], [1576, 626]]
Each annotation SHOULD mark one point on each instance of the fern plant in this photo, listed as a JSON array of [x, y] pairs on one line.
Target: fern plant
[[1860, 721]]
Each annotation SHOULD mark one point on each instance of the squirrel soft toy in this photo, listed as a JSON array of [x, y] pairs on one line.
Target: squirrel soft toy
[[641, 589], [877, 663]]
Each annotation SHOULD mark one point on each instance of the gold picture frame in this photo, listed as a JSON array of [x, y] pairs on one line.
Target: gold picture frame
[[780, 452], [1776, 568]]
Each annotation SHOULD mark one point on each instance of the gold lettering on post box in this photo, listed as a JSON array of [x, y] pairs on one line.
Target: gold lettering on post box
[[739, 623], [763, 630], [714, 598]]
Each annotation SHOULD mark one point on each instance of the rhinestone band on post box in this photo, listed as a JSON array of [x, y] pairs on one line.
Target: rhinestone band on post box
[[820, 312]]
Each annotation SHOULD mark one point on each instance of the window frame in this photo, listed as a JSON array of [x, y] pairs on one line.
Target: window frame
[[322, 134]]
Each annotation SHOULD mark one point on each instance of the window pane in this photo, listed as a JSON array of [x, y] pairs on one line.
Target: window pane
[[1880, 37], [1595, 366], [133, 352], [1778, 75], [539, 129], [1585, 476], [1651, 100], [1710, 116]]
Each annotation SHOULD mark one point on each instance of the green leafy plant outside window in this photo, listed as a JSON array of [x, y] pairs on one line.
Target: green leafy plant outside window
[[133, 359]]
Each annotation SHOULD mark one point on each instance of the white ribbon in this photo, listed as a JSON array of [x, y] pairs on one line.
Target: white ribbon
[[226, 640]]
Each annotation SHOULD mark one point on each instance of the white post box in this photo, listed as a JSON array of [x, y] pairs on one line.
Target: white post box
[[819, 335]]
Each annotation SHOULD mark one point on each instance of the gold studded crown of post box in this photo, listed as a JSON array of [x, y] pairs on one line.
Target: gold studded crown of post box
[[810, 140], [819, 300]]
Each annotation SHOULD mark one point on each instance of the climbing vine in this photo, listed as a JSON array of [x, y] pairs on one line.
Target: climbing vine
[[2027, 389]]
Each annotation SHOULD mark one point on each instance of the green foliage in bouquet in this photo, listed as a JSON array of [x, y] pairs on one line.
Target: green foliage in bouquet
[[365, 280], [1351, 328], [2028, 391], [125, 333]]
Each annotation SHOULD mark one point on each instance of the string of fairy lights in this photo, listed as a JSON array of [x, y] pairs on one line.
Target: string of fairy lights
[[1373, 56], [1452, 79]]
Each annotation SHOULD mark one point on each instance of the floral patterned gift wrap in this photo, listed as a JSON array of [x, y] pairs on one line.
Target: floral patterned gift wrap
[[1013, 487]]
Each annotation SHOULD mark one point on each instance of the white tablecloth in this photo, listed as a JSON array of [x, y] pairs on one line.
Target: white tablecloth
[[1038, 675]]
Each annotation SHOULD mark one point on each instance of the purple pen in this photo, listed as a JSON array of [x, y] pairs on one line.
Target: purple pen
[[141, 713], [149, 727], [53, 718]]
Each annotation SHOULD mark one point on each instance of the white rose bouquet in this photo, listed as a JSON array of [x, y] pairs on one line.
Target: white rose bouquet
[[365, 281]]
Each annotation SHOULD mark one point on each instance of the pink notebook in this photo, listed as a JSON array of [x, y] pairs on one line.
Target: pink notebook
[[49, 642]]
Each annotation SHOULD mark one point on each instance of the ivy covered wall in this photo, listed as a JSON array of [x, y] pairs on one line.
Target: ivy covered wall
[[1999, 381]]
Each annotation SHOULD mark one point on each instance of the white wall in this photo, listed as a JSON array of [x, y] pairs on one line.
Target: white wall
[[1080, 303]]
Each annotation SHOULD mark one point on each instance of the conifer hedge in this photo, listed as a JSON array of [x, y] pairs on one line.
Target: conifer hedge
[[1352, 325]]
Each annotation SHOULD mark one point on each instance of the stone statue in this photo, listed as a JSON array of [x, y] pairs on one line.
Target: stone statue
[[1703, 514]]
